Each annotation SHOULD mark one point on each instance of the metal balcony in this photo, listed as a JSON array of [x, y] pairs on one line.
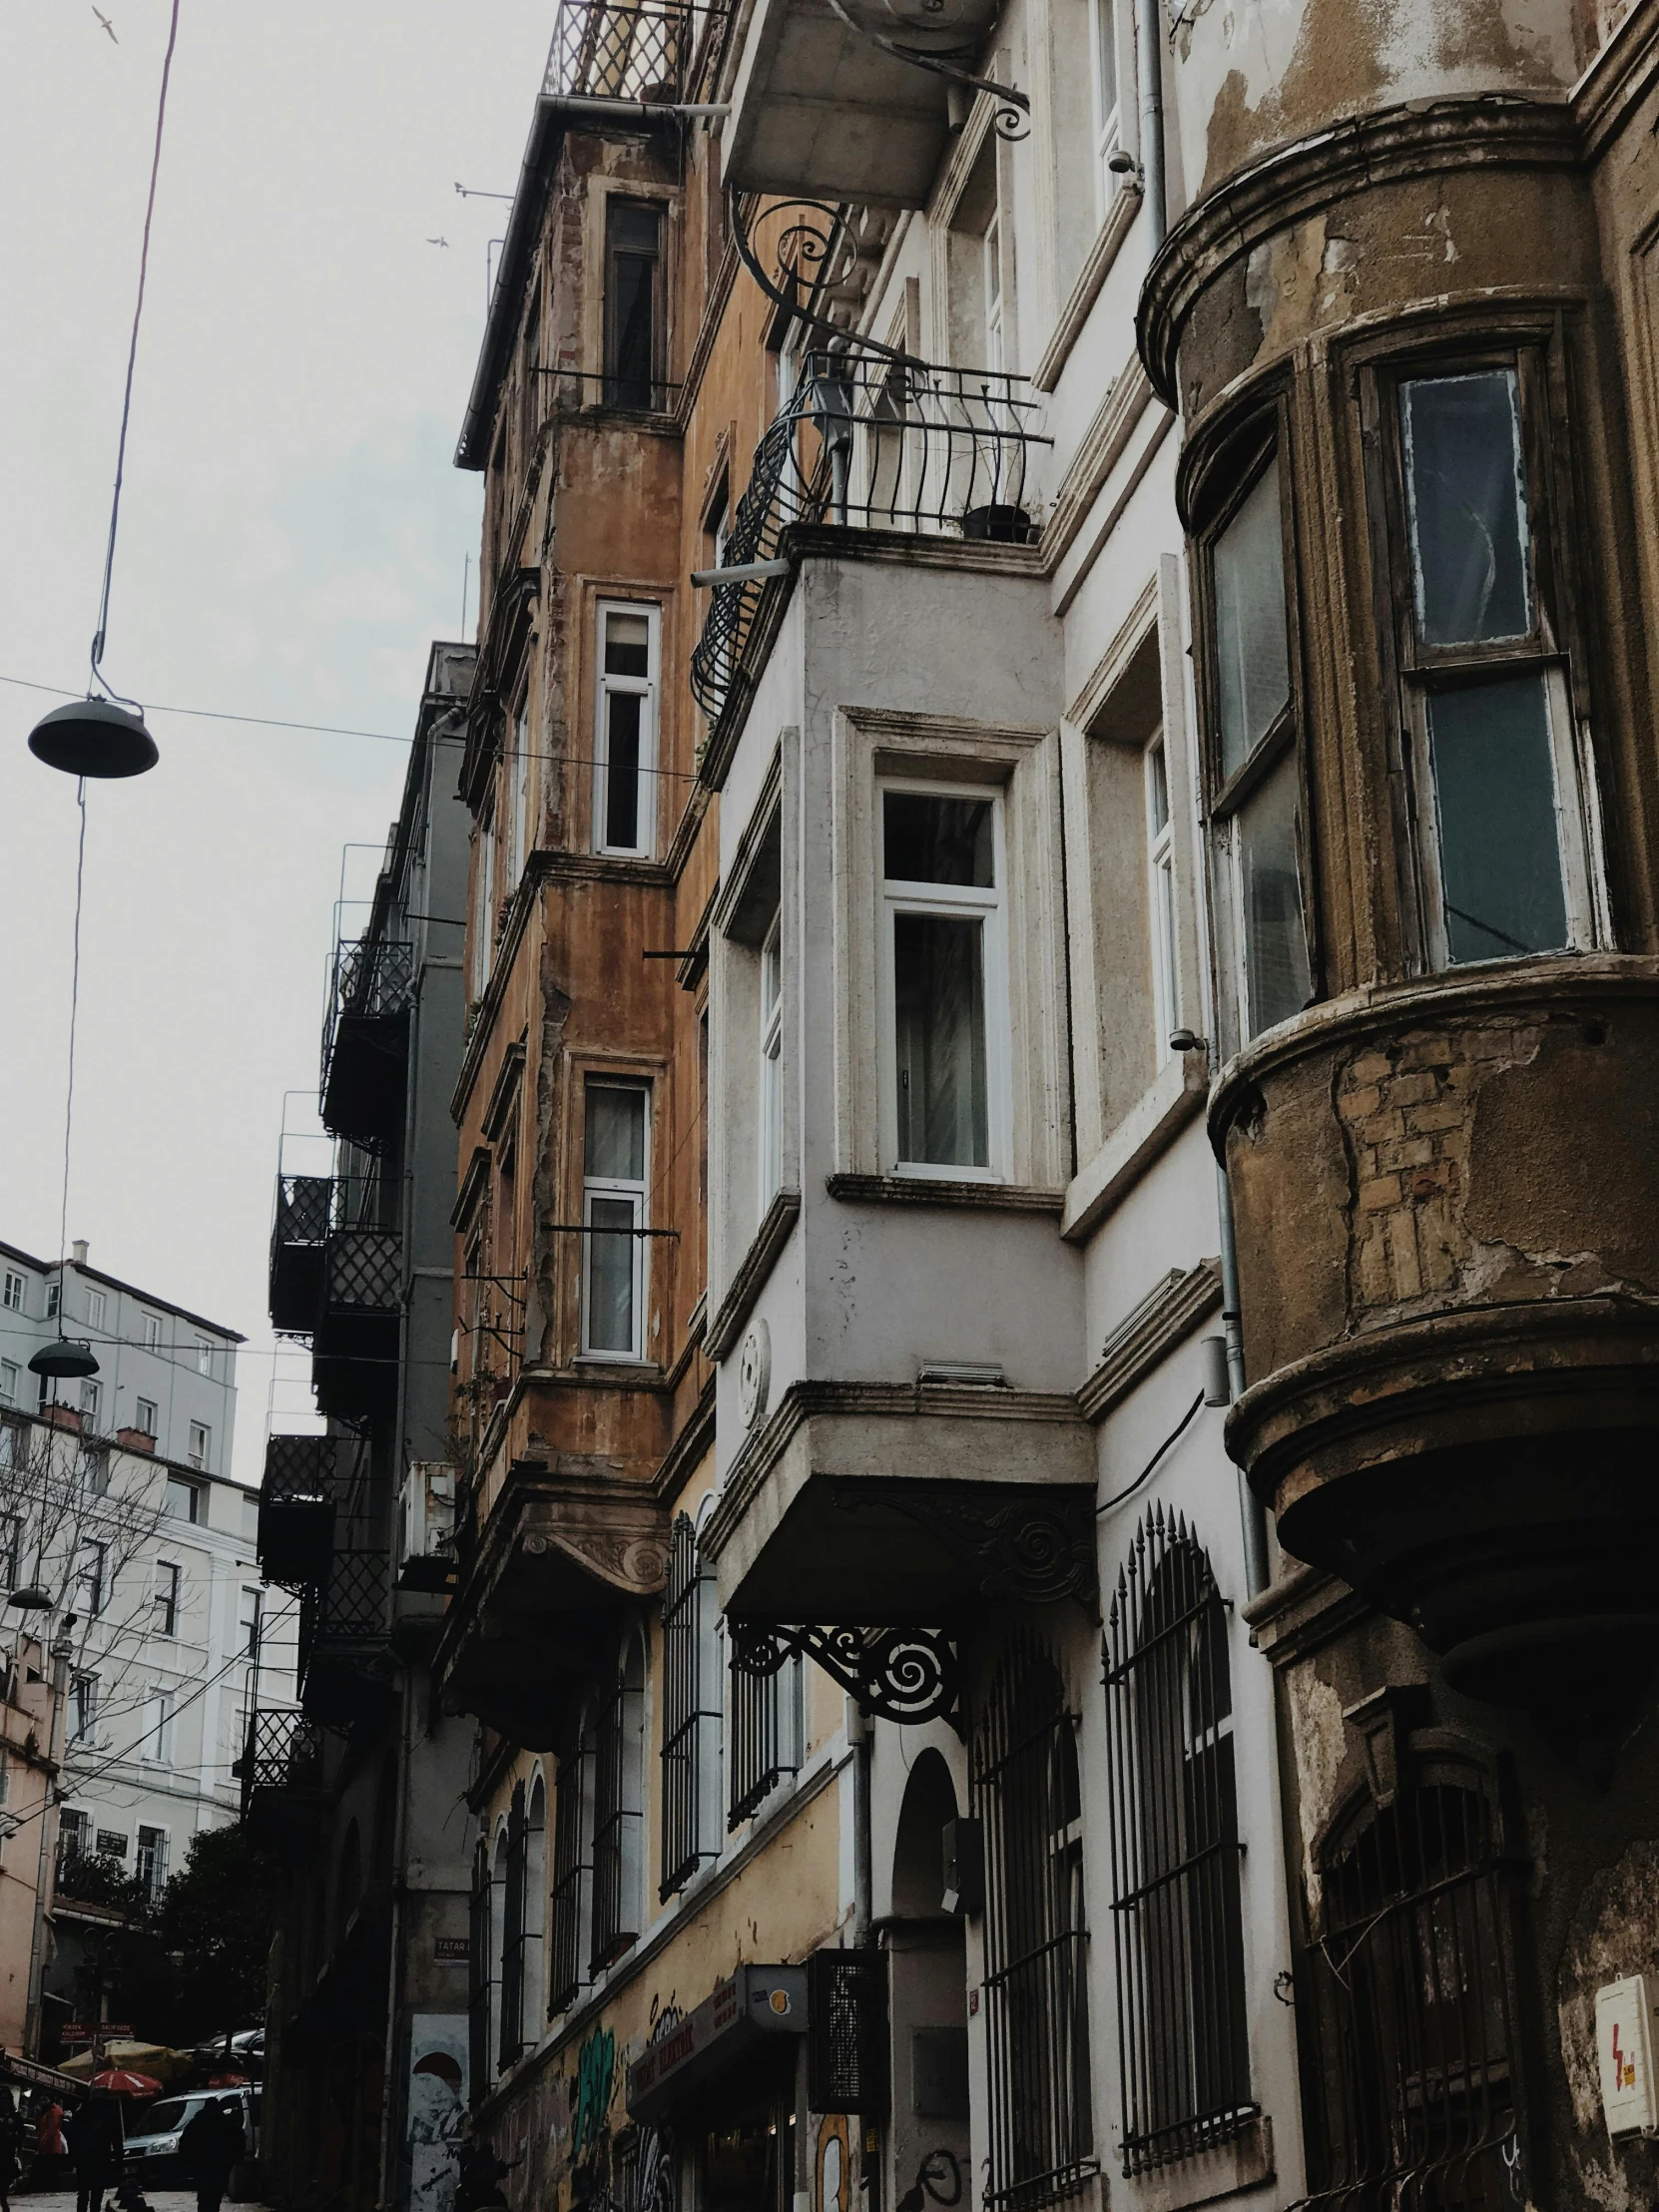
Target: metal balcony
[[305, 1205], [365, 1038], [355, 1348], [280, 1769], [297, 1504], [602, 50], [874, 444]]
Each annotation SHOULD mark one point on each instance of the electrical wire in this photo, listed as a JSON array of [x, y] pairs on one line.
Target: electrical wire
[[97, 674], [1176, 1432], [74, 1008]]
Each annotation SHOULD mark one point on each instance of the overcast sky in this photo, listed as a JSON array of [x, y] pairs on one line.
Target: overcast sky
[[292, 536]]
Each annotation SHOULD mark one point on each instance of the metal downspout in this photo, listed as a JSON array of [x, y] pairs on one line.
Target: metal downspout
[[1252, 1512], [1149, 32]]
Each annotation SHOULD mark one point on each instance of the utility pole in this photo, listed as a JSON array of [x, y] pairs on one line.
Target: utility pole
[[63, 1648]]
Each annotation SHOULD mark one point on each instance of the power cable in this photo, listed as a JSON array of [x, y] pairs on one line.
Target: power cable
[[74, 1008], [1176, 1432]]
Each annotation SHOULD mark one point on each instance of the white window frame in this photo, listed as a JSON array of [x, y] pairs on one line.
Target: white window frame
[[157, 1739], [86, 1708], [1160, 891], [518, 786], [91, 1401], [192, 1513], [158, 1841], [645, 686], [991, 278], [11, 1376], [204, 1357], [91, 1576], [201, 1451], [53, 1299], [16, 1290], [617, 1187], [139, 1407], [96, 1308], [956, 900], [771, 1062], [151, 1331], [484, 900], [1108, 120]]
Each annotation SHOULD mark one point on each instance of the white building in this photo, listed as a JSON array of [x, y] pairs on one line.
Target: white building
[[163, 1372]]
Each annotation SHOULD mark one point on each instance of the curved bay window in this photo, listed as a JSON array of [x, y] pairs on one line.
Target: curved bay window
[[1504, 807], [1183, 2048], [1252, 754], [619, 1811], [1027, 1793], [691, 1713], [1411, 1982]]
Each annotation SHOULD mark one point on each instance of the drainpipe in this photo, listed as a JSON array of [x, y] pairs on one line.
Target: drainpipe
[[864, 1889], [1148, 37], [1252, 1511]]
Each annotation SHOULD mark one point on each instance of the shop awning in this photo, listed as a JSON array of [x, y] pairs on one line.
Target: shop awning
[[758, 2002]]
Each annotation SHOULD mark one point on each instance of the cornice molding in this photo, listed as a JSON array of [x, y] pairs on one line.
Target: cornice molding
[[918, 1190], [1286, 185], [777, 1225], [1148, 1334], [1127, 203]]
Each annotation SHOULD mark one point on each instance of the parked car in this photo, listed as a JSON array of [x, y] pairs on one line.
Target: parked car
[[153, 2148]]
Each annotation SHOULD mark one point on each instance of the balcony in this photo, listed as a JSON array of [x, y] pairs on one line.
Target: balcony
[[355, 1348], [563, 1554], [650, 53], [872, 444], [826, 104], [297, 1504], [304, 1207], [344, 1631], [365, 1039], [280, 1772]]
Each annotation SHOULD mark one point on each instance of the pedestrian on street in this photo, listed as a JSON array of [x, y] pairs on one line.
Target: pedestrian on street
[[10, 2147], [96, 2150], [210, 2147]]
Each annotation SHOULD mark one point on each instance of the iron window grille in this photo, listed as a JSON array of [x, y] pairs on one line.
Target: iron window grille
[[619, 1812], [1184, 2053], [510, 2035], [151, 1868], [478, 1972], [567, 1901], [617, 50], [1410, 1988], [846, 2032], [1027, 1793], [767, 1731], [692, 1718]]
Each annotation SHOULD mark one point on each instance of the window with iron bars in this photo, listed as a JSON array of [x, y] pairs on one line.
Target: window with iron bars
[[767, 1728], [692, 1718], [478, 1974], [1184, 2052], [619, 1812], [510, 2035], [1410, 1987], [568, 1900], [1029, 1796]]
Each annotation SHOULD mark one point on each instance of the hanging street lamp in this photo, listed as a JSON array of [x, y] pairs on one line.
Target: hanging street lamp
[[94, 736]]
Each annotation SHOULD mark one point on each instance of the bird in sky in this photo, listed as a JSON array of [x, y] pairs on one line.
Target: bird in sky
[[437, 242], [107, 24]]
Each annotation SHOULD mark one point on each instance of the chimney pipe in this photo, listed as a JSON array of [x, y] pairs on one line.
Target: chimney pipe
[[79, 1252]]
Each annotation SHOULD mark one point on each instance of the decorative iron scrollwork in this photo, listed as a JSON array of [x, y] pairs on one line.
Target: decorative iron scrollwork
[[806, 256], [1013, 109], [1037, 1547], [897, 1674]]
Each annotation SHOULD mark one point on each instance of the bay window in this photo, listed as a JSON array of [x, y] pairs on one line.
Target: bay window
[[1501, 788], [942, 970], [625, 737], [1253, 767], [613, 1215]]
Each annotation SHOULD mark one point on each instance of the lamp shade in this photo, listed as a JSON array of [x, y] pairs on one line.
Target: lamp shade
[[63, 1361], [92, 737], [29, 1597]]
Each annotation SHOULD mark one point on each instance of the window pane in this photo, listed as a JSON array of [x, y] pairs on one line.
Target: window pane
[[616, 1133], [626, 645], [1500, 857], [633, 290], [1277, 979], [611, 1276], [1253, 666], [624, 714], [1106, 34], [940, 1004], [1467, 507], [938, 840], [1157, 784]]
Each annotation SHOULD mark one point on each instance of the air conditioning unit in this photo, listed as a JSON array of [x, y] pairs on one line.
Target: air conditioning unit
[[427, 1554]]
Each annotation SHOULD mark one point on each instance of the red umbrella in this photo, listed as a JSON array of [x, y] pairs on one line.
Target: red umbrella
[[120, 2081]]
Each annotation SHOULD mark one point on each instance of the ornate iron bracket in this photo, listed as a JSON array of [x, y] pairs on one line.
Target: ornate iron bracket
[[897, 1674], [1013, 116], [815, 251], [1035, 1544]]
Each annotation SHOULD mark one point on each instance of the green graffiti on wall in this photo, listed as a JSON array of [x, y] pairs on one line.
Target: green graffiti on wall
[[595, 2069]]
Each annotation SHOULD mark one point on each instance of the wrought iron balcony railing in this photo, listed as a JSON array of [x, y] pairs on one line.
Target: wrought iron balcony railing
[[605, 50], [283, 1752], [349, 1608], [374, 984], [877, 442], [298, 1500]]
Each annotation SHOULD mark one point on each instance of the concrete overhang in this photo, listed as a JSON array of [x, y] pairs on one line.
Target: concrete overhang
[[821, 110], [909, 1513]]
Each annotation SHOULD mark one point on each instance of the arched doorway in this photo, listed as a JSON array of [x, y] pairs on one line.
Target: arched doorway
[[928, 2134]]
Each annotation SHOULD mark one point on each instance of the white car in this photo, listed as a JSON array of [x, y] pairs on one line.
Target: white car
[[153, 2148]]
